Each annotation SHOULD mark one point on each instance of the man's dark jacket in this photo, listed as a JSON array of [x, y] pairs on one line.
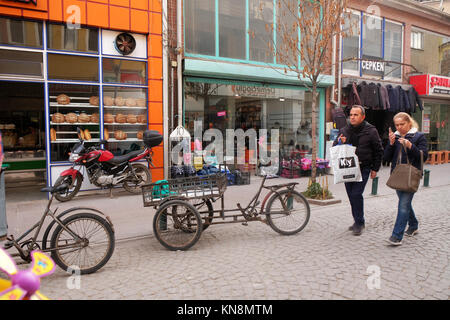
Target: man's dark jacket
[[367, 142], [414, 99]]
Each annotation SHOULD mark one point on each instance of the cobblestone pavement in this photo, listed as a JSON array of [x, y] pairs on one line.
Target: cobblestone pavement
[[324, 261]]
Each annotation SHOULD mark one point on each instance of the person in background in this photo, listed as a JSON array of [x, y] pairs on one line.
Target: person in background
[[365, 138], [3, 223], [407, 136]]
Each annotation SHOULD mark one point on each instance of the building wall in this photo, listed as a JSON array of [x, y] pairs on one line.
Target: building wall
[[138, 16]]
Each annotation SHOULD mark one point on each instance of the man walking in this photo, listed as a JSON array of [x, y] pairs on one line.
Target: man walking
[[365, 138]]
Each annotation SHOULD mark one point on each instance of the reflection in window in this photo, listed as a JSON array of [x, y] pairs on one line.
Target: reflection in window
[[124, 71], [78, 39], [393, 49], [372, 37], [72, 67], [287, 16], [200, 26], [350, 46], [260, 23], [20, 33], [21, 63], [232, 31]]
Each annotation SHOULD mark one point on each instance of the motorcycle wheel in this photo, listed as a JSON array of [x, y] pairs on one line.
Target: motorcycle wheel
[[73, 189], [144, 177]]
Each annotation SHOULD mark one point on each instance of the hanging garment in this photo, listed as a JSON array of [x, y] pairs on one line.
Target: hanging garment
[[384, 97], [351, 91], [369, 95], [414, 99], [394, 98], [404, 101]]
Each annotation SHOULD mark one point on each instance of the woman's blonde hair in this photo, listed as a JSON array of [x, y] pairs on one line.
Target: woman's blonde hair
[[406, 117]]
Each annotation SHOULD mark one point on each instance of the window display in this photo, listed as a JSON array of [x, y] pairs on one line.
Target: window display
[[72, 106], [125, 118]]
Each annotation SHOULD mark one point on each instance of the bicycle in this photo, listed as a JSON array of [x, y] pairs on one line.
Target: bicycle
[[84, 239], [178, 223]]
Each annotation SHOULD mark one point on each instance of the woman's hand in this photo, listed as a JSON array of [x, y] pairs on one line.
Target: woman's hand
[[342, 138], [391, 137], [405, 142]]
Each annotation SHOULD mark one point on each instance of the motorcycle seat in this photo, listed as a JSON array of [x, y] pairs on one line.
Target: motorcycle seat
[[125, 157]]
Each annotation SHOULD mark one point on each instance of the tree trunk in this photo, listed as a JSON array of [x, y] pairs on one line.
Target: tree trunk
[[313, 132]]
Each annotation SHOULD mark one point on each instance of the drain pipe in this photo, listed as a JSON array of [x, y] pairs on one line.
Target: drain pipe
[[333, 72], [165, 47], [179, 62]]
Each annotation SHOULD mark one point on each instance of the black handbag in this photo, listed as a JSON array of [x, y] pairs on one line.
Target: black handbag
[[406, 177]]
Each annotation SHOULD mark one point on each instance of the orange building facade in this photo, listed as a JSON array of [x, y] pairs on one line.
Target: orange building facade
[[75, 48]]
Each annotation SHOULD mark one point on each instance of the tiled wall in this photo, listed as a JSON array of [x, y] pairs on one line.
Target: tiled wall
[[140, 16]]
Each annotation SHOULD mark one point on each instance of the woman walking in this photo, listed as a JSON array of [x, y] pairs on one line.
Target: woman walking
[[407, 136]]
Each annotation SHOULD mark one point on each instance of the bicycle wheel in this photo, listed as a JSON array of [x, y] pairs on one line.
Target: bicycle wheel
[[88, 254], [287, 212], [74, 187], [205, 209], [143, 176], [177, 225]]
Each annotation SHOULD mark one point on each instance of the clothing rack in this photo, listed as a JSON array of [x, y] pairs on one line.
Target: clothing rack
[[350, 80]]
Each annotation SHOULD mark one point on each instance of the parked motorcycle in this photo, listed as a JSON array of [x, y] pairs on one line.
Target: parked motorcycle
[[105, 170]]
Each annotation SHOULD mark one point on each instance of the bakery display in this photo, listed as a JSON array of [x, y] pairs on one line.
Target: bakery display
[[140, 134], [81, 135], [58, 117], [131, 118], [84, 118], [108, 101], [142, 118], [106, 134], [120, 135], [95, 118], [87, 135], [94, 100], [140, 102], [121, 118], [130, 102], [71, 117], [63, 99], [108, 118], [119, 101], [52, 134]]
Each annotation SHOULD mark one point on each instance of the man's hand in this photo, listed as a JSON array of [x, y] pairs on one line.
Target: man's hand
[[373, 174]]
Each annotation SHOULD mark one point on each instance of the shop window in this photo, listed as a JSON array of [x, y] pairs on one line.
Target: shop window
[[261, 39], [124, 117], [350, 43], [21, 63], [20, 33], [77, 39], [200, 31], [417, 40], [286, 16], [72, 106], [372, 40], [69, 67], [232, 30], [393, 34], [124, 71]]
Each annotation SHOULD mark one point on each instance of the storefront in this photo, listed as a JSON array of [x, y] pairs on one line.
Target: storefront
[[97, 67], [434, 91]]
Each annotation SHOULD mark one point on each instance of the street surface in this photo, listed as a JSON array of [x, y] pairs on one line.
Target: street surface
[[233, 261]]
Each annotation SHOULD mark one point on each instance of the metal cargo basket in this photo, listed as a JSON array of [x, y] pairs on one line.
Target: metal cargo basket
[[208, 186]]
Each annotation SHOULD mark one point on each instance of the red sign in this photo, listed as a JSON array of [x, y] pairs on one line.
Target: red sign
[[39, 5], [221, 113], [432, 85]]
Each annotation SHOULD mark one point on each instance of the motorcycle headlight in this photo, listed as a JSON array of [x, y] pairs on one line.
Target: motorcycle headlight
[[73, 157]]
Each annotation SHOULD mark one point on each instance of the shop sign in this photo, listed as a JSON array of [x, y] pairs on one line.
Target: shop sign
[[38, 5], [25, 1], [373, 67], [428, 84], [250, 91]]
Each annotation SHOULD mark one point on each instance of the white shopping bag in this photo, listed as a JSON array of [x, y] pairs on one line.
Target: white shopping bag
[[345, 164]]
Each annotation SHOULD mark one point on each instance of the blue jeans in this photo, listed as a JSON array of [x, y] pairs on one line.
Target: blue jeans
[[355, 192], [3, 224], [405, 214]]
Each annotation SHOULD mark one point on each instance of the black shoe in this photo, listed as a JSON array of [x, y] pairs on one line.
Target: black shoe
[[411, 232], [351, 227], [394, 241], [358, 229]]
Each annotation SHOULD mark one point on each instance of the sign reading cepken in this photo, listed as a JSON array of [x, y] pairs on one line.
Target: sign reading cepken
[[373, 67]]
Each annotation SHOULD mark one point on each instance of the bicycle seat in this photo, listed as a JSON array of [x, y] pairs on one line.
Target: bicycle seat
[[59, 188]]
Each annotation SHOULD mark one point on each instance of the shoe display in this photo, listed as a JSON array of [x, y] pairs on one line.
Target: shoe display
[[394, 241]]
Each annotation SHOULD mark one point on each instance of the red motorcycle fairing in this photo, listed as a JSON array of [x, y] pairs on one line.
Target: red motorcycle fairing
[[140, 156], [105, 155], [70, 172]]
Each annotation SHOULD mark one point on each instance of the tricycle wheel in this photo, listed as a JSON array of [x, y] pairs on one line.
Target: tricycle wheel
[[177, 225], [205, 209], [287, 212]]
